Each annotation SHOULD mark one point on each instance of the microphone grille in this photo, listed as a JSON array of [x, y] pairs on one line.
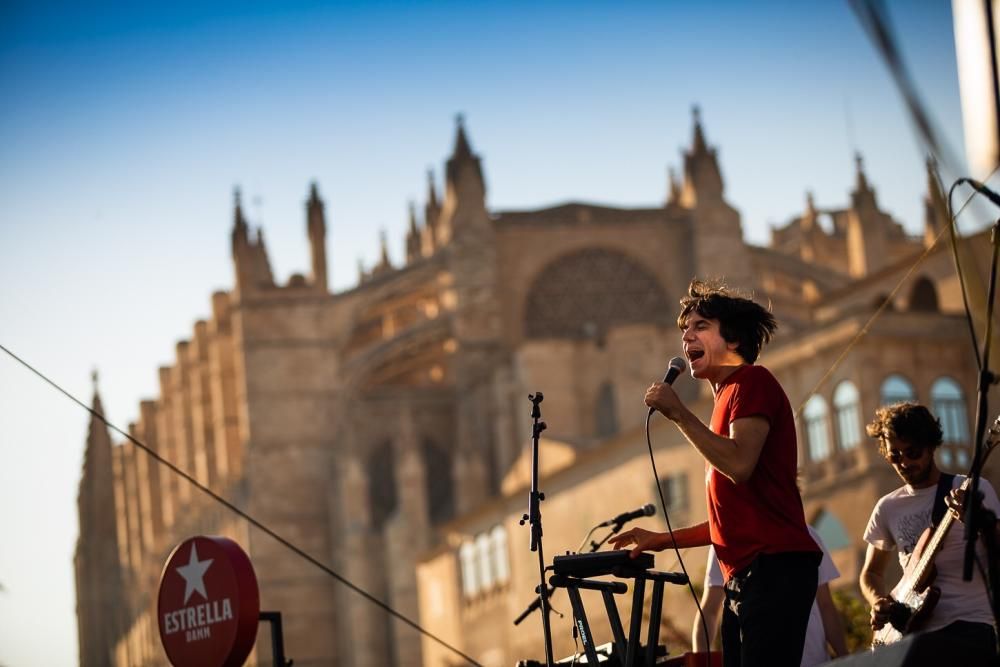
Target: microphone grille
[[648, 509], [679, 364]]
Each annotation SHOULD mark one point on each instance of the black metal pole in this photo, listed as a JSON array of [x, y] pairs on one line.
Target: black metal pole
[[534, 517], [277, 638], [971, 517]]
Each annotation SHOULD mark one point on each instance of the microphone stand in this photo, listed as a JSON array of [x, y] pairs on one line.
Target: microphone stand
[[534, 517], [986, 378]]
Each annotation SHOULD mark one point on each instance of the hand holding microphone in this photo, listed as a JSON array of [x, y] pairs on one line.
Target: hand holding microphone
[[656, 397]]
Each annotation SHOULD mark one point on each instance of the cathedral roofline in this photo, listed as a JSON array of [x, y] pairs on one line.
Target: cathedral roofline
[[574, 212], [837, 331], [793, 264]]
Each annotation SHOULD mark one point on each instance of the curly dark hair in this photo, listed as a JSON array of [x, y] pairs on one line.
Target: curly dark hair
[[910, 422], [741, 320]]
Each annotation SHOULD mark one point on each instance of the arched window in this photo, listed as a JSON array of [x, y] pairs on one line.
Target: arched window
[[470, 569], [923, 296], [382, 498], [896, 389], [486, 575], [606, 415], [501, 567], [846, 407], [948, 404], [438, 482], [817, 432]]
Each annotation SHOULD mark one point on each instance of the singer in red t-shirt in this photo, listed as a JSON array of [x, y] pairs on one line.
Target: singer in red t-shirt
[[755, 516]]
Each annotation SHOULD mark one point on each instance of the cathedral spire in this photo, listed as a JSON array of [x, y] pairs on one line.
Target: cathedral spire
[[462, 158], [702, 177], [698, 144], [238, 207], [861, 182], [384, 264], [97, 397], [432, 199], [673, 187], [253, 270], [464, 205], [383, 240], [863, 196], [97, 455], [240, 229], [808, 220], [412, 236], [413, 218], [99, 592], [462, 148], [432, 211], [316, 230]]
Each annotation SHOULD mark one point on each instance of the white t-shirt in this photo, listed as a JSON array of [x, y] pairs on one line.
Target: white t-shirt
[[896, 524], [814, 652]]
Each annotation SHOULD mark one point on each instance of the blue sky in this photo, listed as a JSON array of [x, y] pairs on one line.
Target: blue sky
[[125, 127]]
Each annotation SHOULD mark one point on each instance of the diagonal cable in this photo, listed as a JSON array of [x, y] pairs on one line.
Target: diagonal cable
[[236, 510]]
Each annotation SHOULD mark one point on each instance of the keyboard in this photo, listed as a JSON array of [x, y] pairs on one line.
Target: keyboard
[[600, 563]]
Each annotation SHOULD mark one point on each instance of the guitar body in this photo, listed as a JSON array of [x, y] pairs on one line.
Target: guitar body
[[914, 594]]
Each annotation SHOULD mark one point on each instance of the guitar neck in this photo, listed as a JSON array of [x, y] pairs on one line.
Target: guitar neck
[[937, 539]]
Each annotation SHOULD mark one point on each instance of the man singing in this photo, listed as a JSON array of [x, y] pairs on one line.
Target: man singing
[[755, 517]]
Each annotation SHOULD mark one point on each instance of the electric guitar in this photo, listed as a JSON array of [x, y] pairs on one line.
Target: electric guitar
[[914, 593]]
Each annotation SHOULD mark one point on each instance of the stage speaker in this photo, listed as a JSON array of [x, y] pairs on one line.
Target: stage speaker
[[917, 650]]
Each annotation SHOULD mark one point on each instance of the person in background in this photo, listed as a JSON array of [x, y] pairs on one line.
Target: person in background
[[825, 637]]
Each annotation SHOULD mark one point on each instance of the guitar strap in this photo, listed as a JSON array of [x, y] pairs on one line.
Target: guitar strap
[[943, 488]]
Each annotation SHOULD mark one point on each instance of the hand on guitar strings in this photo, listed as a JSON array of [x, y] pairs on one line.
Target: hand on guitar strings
[[886, 610]]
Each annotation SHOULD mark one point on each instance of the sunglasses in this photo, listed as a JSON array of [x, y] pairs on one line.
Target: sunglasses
[[912, 453]]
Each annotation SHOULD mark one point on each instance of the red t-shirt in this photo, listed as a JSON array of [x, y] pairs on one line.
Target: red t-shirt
[[764, 514]]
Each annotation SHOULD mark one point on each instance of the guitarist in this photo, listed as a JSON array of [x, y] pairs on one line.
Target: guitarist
[[908, 434]]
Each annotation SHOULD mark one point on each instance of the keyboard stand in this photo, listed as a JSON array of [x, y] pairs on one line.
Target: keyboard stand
[[626, 650]]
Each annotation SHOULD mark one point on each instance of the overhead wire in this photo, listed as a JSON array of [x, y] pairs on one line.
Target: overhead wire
[[241, 513]]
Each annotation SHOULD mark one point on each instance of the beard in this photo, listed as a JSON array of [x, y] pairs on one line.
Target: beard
[[916, 476]]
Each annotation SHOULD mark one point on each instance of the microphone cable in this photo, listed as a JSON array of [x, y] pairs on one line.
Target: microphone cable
[[251, 520], [670, 530]]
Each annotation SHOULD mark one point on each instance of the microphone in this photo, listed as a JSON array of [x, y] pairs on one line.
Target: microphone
[[983, 190], [676, 367], [645, 510]]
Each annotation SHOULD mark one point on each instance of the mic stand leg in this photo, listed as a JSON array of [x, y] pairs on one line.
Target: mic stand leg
[[534, 517], [986, 378]]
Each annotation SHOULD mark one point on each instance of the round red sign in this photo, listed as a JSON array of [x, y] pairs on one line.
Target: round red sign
[[209, 604]]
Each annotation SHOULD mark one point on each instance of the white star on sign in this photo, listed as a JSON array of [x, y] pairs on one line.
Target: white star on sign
[[194, 573]]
